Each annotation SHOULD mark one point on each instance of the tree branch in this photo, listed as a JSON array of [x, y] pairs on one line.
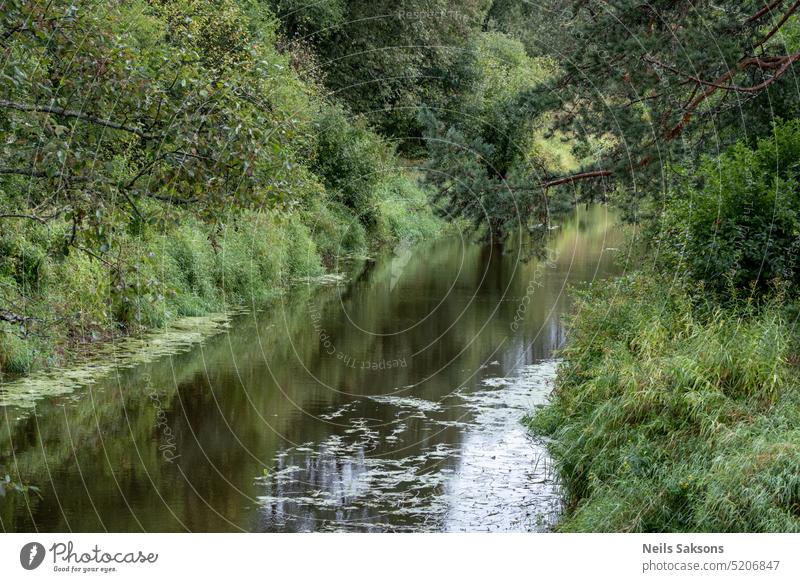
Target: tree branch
[[559, 181], [26, 216], [782, 63], [763, 63], [79, 115], [768, 8], [576, 177], [121, 186], [792, 9]]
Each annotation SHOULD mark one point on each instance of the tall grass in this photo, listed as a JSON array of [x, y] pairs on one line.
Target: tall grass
[[669, 416], [189, 267]]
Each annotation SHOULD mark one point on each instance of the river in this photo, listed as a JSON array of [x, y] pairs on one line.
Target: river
[[389, 402]]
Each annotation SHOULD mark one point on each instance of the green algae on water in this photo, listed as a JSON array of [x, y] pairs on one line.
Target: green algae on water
[[128, 352]]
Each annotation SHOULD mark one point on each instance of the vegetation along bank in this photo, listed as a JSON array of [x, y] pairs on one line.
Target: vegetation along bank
[[165, 159]]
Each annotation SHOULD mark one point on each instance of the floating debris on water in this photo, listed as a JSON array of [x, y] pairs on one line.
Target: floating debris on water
[[407, 402], [324, 279], [497, 478]]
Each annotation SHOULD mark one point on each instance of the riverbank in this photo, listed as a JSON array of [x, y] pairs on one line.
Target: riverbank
[[670, 417], [190, 162], [677, 406], [72, 304]]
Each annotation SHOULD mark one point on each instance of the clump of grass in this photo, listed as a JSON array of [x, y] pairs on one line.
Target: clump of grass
[[402, 211], [672, 417]]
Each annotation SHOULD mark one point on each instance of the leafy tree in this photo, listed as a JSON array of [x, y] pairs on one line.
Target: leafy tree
[[485, 158], [637, 87], [385, 59], [350, 160], [660, 81], [107, 102], [315, 21], [141, 142]]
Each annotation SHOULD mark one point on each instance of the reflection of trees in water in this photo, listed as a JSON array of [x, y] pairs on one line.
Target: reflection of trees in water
[[233, 403], [343, 487]]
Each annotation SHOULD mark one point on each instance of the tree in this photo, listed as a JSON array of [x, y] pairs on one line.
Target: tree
[[386, 59], [637, 88], [484, 156], [133, 102], [658, 82]]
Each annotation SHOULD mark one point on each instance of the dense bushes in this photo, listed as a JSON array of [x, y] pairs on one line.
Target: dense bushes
[[735, 227], [670, 418], [350, 160]]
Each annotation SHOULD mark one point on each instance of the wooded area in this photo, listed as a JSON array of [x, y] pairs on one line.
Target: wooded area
[[165, 158]]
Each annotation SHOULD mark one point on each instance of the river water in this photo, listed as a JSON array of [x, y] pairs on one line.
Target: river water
[[389, 402]]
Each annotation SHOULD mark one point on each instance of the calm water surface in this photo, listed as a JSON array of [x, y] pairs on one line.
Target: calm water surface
[[389, 403]]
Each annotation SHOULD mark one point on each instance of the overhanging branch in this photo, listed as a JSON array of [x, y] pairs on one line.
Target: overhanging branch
[[59, 111], [577, 178], [781, 64]]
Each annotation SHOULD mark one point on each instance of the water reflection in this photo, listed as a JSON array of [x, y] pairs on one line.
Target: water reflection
[[491, 477], [389, 403]]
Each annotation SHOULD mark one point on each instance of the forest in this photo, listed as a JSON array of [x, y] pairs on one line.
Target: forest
[[164, 159]]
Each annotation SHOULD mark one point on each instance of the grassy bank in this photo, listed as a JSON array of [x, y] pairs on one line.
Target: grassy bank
[[672, 417], [677, 406], [59, 303]]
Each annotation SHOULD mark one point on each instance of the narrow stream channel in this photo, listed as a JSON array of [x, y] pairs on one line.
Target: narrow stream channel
[[389, 403]]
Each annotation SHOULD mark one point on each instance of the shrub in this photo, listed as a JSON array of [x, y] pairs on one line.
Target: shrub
[[402, 211], [734, 226], [336, 232], [350, 161]]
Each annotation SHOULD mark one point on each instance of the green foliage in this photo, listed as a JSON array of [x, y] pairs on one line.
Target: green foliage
[[387, 58], [640, 78], [666, 418], [315, 21], [487, 161], [452, 84], [163, 158], [349, 160], [735, 225], [191, 268], [336, 232], [401, 210], [147, 101]]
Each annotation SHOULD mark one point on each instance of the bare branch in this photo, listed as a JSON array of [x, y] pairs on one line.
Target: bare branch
[[559, 181], [764, 63]]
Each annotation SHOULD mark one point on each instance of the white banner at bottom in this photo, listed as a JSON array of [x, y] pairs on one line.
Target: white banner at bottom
[[389, 557]]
